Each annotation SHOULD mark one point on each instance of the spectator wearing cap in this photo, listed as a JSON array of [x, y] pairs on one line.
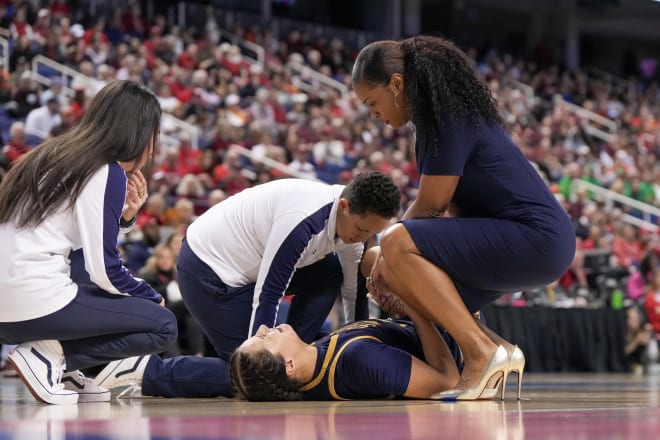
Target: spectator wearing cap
[[235, 115], [42, 26], [77, 31]]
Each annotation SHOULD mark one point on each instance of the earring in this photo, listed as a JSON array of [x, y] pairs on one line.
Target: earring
[[396, 104]]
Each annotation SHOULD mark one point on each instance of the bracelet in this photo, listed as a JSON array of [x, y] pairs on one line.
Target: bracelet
[[126, 224]]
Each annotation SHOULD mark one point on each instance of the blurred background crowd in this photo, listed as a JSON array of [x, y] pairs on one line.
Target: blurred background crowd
[[247, 103]]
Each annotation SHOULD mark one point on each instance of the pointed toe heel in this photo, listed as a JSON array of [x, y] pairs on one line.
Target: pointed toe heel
[[497, 369]]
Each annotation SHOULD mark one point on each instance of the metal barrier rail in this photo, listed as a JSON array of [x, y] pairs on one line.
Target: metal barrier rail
[[315, 80], [255, 53], [272, 163], [4, 55], [68, 75], [649, 211], [587, 114], [65, 72]]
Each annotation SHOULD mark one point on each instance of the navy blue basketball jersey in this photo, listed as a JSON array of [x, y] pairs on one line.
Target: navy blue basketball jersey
[[367, 359]]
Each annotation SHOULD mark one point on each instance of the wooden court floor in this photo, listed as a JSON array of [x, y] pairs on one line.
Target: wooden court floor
[[589, 406]]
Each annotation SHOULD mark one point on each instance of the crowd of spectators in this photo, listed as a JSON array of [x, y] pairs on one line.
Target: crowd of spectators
[[321, 133]]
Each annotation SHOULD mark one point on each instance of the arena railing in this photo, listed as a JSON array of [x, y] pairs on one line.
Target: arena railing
[[305, 77], [4, 54], [44, 68], [271, 163], [309, 79], [648, 214], [252, 52], [604, 126], [527, 91], [596, 73]]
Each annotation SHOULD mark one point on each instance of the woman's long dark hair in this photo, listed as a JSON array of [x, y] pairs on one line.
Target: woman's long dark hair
[[118, 126], [441, 87], [261, 376]]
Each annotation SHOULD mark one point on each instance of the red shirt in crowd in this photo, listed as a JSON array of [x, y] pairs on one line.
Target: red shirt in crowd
[[652, 309], [13, 151]]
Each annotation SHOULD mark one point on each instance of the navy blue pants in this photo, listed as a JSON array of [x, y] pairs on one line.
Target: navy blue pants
[[98, 327], [224, 312]]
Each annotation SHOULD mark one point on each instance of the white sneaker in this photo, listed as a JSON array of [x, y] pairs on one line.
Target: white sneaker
[[87, 390], [123, 373], [40, 365]]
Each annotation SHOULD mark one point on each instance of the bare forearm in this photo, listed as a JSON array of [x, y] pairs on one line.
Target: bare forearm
[[435, 349], [417, 210]]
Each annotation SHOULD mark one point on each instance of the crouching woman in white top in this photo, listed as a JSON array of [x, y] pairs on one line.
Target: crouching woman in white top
[[65, 296]]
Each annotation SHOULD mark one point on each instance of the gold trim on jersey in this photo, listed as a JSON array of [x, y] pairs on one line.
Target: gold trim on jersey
[[328, 356], [333, 367]]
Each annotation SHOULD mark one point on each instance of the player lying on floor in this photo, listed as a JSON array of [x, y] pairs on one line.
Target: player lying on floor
[[369, 359]]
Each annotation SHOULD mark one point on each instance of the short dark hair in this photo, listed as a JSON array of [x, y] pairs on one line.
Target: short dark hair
[[373, 192], [261, 376]]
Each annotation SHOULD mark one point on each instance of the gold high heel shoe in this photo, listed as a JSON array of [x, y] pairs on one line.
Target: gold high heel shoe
[[517, 364], [499, 363]]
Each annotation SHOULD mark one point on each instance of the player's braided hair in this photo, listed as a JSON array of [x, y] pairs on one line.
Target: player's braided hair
[[261, 376]]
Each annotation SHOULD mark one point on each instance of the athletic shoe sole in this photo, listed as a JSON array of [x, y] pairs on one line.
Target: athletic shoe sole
[[26, 373]]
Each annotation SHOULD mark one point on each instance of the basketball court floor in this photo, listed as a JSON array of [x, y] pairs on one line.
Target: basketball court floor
[[589, 406], [569, 406]]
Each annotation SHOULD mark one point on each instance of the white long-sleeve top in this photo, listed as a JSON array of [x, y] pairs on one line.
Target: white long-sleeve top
[[263, 234], [35, 263]]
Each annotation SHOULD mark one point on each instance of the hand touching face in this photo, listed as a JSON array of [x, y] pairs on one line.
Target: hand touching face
[[136, 194]]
